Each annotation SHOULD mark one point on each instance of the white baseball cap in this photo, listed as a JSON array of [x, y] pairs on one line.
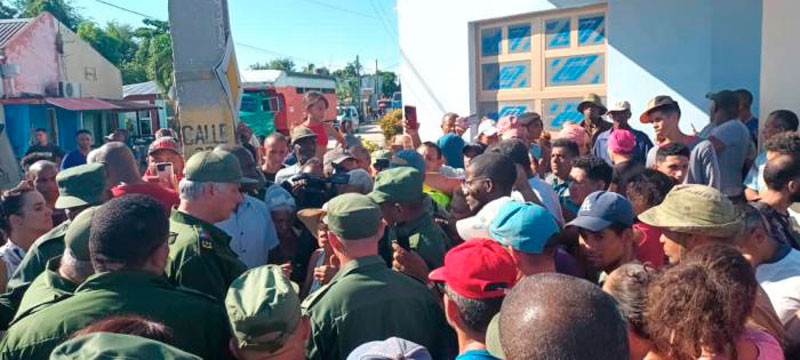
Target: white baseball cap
[[487, 128], [620, 106]]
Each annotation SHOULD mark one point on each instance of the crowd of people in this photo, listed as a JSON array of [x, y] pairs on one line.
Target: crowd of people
[[501, 240]]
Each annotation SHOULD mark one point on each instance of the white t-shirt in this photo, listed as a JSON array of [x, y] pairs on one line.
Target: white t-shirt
[[781, 281]]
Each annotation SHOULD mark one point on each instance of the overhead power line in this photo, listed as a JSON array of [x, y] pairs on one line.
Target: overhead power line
[[334, 7]]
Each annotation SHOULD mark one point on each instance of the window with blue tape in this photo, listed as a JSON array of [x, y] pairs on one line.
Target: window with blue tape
[[509, 75], [519, 38], [490, 41], [557, 33], [591, 30], [575, 70], [559, 111]]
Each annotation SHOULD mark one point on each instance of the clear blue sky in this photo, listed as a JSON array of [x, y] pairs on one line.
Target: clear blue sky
[[326, 32]]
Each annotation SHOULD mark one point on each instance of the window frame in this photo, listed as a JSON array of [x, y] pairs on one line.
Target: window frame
[[538, 92]]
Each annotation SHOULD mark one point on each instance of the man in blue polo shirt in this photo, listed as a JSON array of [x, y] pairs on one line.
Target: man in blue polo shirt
[[620, 113]]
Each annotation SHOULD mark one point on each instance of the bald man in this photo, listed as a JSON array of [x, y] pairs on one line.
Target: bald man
[[123, 174], [571, 317]]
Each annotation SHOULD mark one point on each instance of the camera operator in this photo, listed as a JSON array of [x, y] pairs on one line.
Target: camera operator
[[304, 147]]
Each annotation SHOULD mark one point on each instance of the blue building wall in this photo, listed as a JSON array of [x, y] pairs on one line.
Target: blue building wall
[[23, 119], [68, 125]]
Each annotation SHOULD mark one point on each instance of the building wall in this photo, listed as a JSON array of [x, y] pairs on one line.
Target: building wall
[[83, 64], [780, 54], [682, 48], [34, 50], [705, 46]]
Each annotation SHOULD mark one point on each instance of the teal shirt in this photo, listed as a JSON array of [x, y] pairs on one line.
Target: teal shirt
[[199, 324], [46, 247], [367, 301], [200, 257]]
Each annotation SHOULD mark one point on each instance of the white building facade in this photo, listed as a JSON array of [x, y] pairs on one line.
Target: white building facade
[[508, 56]]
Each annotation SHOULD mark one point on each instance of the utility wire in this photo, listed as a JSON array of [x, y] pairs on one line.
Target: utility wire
[[334, 7]]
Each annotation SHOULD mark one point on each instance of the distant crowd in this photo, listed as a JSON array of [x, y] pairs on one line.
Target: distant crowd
[[500, 240]]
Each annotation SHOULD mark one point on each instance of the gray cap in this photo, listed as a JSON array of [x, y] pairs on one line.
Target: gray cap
[[390, 349]]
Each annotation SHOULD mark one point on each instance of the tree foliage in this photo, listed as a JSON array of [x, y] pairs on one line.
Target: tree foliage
[[63, 10], [390, 84], [7, 11], [141, 54], [285, 64]]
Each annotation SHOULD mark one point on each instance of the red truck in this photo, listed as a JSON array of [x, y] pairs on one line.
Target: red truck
[[273, 99]]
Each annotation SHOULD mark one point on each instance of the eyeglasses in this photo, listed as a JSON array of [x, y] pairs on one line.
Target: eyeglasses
[[467, 183]]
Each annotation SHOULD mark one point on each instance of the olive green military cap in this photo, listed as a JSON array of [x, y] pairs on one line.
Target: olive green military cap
[[402, 184], [77, 237], [352, 216], [215, 166], [81, 185], [381, 155], [302, 132], [697, 209], [104, 345], [263, 308]]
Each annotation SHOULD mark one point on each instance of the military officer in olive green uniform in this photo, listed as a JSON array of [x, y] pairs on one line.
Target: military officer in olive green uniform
[[398, 191], [79, 187], [264, 313], [366, 300], [128, 249], [199, 255], [64, 272], [103, 345]]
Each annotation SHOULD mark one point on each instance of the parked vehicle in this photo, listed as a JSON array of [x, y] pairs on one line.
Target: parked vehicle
[[277, 96], [348, 113]]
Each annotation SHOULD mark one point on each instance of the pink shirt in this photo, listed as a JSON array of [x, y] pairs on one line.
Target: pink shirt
[[768, 347]]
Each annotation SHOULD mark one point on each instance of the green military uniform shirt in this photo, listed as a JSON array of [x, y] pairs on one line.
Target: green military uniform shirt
[[198, 323], [424, 237], [48, 288], [43, 249], [200, 257], [367, 301]]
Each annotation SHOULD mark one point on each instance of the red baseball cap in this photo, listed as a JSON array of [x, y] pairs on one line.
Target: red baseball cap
[[164, 143], [477, 269], [621, 141]]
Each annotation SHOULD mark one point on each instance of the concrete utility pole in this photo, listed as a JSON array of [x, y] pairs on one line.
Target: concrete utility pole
[[206, 73]]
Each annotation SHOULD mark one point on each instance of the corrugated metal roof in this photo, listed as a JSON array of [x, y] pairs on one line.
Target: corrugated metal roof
[[9, 28], [142, 88]]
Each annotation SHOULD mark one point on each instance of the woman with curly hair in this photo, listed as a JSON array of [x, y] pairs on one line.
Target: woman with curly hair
[[698, 309], [628, 285]]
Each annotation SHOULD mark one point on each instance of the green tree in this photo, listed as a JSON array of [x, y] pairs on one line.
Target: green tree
[[63, 10], [7, 11], [323, 71], [159, 65], [347, 82], [390, 84], [285, 64], [310, 69], [141, 54]]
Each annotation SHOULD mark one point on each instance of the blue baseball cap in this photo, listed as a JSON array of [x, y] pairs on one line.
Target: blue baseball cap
[[601, 209], [524, 226], [408, 158]]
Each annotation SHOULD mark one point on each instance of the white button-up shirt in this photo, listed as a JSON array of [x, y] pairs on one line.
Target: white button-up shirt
[[252, 232]]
